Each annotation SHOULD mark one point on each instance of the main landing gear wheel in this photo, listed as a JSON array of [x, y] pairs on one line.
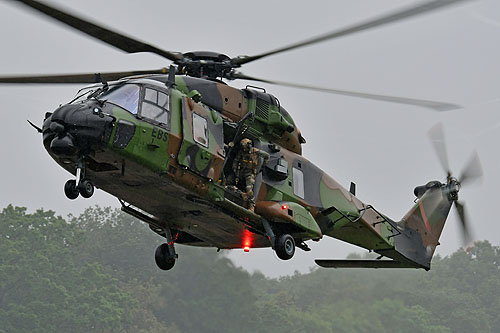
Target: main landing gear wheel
[[285, 247], [86, 188], [71, 190], [163, 258]]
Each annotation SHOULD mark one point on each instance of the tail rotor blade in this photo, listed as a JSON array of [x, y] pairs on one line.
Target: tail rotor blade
[[463, 221], [472, 171], [436, 134]]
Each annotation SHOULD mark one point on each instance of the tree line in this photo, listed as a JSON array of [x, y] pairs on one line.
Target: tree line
[[96, 272]]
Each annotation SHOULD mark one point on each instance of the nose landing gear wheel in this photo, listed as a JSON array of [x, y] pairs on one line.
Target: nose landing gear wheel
[[86, 188], [285, 247], [71, 190], [163, 258], [81, 185]]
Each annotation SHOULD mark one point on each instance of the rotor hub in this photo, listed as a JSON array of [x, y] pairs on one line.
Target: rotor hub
[[453, 187], [205, 64]]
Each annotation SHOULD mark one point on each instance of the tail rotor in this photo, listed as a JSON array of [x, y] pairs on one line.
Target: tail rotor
[[471, 173]]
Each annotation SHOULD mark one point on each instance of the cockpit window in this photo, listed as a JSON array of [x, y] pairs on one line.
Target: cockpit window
[[126, 96], [155, 106]]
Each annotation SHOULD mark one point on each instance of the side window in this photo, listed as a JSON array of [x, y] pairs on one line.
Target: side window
[[298, 183], [155, 106], [200, 130]]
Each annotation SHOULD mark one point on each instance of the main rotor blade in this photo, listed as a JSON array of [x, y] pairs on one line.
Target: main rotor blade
[[463, 221], [472, 171], [77, 78], [125, 43], [436, 135], [407, 12], [433, 105]]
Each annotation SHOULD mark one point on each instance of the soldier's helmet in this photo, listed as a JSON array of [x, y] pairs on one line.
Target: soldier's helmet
[[246, 144]]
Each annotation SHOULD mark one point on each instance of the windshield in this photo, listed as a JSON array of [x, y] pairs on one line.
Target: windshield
[[126, 96]]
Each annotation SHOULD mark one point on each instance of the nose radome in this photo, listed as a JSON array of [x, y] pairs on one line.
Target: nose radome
[[56, 127], [75, 129], [63, 146]]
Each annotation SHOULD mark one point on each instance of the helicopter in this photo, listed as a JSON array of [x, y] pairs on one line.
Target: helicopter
[[165, 142]]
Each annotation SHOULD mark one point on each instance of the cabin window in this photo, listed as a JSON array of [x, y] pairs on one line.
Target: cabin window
[[298, 183], [155, 106], [125, 96], [200, 130]]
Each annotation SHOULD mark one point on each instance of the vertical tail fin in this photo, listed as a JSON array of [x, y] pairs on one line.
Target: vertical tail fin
[[423, 224]]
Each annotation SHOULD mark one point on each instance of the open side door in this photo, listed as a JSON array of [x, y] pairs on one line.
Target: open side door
[[202, 148]]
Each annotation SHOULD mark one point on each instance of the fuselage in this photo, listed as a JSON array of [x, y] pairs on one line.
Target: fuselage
[[169, 152]]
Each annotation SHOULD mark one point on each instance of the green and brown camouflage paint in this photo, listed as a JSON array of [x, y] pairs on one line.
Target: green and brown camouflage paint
[[166, 172]]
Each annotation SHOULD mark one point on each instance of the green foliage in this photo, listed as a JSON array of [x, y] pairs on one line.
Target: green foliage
[[96, 272]]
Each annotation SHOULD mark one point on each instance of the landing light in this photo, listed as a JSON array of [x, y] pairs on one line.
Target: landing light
[[247, 240]]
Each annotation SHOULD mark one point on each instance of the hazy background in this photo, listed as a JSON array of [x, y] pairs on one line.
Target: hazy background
[[451, 55]]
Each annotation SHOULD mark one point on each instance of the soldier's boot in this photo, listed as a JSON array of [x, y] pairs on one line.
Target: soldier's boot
[[249, 199]]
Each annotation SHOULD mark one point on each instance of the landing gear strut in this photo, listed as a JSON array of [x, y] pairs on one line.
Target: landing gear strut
[[81, 185], [165, 255], [284, 245]]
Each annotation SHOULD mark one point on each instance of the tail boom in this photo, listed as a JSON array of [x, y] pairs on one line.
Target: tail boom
[[411, 242]]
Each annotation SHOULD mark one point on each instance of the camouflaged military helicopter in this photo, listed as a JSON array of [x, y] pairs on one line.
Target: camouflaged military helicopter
[[165, 143]]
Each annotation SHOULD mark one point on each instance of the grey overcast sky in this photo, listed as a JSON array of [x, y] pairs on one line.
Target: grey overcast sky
[[451, 55]]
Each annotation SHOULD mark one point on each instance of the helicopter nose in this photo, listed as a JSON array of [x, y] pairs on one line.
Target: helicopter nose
[[76, 129], [63, 146]]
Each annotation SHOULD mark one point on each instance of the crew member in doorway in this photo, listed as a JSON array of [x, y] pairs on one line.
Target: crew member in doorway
[[245, 167]]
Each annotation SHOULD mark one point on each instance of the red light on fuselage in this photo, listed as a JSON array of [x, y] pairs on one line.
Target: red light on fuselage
[[284, 207], [247, 240]]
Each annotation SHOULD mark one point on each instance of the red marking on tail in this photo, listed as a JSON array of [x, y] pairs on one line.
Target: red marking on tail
[[424, 217]]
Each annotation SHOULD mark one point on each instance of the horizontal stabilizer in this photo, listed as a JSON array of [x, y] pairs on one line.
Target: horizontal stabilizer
[[361, 263]]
